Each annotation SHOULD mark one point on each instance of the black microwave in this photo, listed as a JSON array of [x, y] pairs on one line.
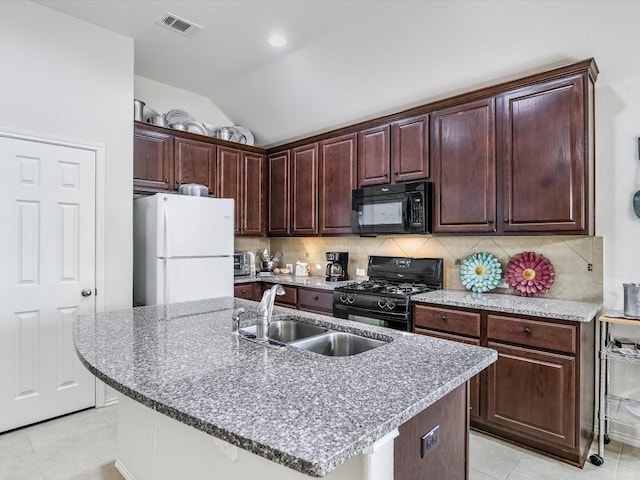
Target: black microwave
[[390, 209]]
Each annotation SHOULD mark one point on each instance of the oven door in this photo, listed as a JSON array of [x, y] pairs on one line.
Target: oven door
[[397, 321]]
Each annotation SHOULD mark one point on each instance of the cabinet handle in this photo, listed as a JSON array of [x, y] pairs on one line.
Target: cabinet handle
[[527, 330], [443, 317], [396, 172], [243, 291], [166, 180], [177, 183]]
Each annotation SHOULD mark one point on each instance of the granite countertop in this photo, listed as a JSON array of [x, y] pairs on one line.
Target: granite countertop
[[300, 409], [537, 307], [314, 281]]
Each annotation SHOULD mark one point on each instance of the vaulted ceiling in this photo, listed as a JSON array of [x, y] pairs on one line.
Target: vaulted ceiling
[[351, 60]]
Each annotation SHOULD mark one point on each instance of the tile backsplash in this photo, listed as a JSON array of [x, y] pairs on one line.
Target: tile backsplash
[[577, 259]]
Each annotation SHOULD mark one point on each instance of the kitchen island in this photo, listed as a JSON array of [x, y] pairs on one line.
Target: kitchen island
[[190, 381]]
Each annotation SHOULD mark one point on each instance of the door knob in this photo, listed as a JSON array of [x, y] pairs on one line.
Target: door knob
[[86, 292]]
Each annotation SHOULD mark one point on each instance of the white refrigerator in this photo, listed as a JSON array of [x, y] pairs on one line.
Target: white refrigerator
[[183, 248]]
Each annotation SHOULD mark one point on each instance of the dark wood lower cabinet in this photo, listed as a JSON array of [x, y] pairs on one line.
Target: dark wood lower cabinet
[[532, 393], [540, 392], [443, 462], [248, 291]]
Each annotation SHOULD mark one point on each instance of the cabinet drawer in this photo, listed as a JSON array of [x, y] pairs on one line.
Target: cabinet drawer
[[290, 297], [532, 333], [446, 320], [320, 301], [244, 290]]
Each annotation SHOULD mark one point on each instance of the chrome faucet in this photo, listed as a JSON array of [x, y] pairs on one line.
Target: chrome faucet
[[265, 309]]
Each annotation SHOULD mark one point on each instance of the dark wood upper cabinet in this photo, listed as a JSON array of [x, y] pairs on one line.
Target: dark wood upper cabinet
[[463, 155], [278, 191], [304, 190], [241, 177], [338, 177], [195, 162], [229, 183], [374, 156], [152, 161], [542, 137], [253, 213], [410, 149]]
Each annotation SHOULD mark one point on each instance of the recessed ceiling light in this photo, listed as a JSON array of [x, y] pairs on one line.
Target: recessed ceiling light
[[277, 40]]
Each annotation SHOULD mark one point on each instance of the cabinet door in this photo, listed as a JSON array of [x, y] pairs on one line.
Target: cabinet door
[[338, 177], [532, 393], [474, 383], [304, 190], [543, 157], [410, 149], [152, 161], [244, 290], [278, 194], [374, 156], [253, 194], [464, 162], [230, 180], [195, 162], [318, 301]]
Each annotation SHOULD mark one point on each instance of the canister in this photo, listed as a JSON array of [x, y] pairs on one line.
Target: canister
[[631, 299], [138, 107]]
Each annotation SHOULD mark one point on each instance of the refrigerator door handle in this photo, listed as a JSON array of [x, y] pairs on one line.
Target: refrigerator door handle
[[165, 247]]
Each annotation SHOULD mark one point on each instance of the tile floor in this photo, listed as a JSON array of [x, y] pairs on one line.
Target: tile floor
[[82, 446]]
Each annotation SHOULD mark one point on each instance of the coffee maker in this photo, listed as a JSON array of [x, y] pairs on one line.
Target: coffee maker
[[337, 266]]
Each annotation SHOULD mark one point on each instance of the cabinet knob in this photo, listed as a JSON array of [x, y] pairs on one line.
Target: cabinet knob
[[506, 220], [490, 222], [443, 317], [527, 330], [396, 172], [243, 291], [316, 298], [386, 174], [166, 180]]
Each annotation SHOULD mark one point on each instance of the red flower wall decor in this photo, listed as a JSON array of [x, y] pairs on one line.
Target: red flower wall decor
[[530, 274]]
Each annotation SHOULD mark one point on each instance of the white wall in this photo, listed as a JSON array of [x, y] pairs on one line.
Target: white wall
[[66, 78], [162, 98], [617, 179]]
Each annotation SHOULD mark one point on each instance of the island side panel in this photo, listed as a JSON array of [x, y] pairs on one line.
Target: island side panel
[[153, 446], [442, 462]]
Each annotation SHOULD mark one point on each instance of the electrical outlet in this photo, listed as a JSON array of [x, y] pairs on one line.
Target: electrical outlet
[[458, 262], [289, 266], [360, 272], [429, 440]]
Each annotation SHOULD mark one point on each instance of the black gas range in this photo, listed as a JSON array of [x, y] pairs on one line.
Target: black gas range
[[384, 299]]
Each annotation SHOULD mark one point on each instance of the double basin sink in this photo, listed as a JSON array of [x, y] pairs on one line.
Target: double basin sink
[[315, 338]]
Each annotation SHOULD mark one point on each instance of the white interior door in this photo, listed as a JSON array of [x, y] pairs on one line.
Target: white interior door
[[47, 207]]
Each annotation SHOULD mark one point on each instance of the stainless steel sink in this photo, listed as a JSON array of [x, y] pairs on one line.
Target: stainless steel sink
[[286, 331], [337, 344]]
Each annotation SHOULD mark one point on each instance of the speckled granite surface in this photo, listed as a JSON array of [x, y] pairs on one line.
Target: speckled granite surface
[[537, 307], [303, 410], [318, 282]]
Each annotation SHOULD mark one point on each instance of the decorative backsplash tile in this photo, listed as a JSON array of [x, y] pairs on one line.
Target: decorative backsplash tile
[[577, 260]]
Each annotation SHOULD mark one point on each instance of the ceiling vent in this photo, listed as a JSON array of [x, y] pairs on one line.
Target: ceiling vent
[[180, 25]]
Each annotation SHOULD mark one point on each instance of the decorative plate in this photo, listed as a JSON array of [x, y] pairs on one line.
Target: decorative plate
[[247, 134], [196, 127], [178, 116], [480, 272], [530, 274]]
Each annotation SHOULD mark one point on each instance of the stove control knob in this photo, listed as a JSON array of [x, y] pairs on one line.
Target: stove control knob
[[391, 304], [351, 298]]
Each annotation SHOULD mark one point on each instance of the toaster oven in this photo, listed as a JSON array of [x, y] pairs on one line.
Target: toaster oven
[[242, 262]]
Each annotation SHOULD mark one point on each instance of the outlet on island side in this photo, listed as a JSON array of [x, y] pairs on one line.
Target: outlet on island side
[[429, 440]]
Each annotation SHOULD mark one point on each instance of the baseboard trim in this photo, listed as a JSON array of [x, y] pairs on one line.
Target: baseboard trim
[[625, 438], [123, 470]]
